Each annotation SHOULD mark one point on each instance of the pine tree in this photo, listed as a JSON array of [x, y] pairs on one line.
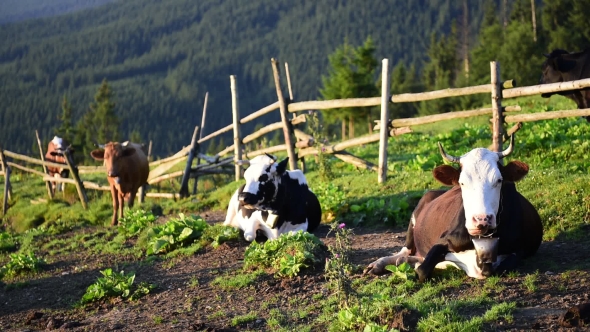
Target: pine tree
[[104, 116], [66, 128], [135, 137], [351, 75]]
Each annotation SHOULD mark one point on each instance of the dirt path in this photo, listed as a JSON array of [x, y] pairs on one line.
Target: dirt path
[[185, 299]]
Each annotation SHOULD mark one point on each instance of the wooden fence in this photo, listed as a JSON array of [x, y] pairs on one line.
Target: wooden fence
[[222, 161]]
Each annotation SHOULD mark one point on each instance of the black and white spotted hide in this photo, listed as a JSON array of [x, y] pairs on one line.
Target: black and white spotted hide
[[274, 201]]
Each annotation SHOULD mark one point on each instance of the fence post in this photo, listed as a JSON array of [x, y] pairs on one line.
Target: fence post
[[47, 183], [6, 190], [189, 163], [203, 117], [4, 168], [287, 127], [76, 177], [292, 99], [497, 117], [236, 122], [384, 131]]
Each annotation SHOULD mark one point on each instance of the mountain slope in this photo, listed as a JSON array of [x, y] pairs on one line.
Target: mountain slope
[[162, 56]]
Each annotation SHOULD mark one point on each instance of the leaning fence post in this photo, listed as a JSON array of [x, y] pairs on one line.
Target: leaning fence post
[[236, 124], [6, 189], [203, 117], [76, 177], [497, 118], [292, 99], [5, 168], [287, 129], [189, 162], [47, 183], [384, 131]]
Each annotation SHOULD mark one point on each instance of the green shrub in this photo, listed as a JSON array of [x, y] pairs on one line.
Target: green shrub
[[7, 242], [20, 263], [331, 197], [175, 233], [115, 284], [287, 255], [134, 222], [218, 234]]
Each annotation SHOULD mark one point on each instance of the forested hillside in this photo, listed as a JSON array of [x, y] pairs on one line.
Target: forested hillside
[[18, 10], [160, 57]]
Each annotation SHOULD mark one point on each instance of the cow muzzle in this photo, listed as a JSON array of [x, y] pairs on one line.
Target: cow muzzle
[[248, 198]]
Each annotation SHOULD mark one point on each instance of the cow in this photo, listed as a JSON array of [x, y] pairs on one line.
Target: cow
[[273, 201], [55, 150], [127, 170], [483, 203], [562, 66]]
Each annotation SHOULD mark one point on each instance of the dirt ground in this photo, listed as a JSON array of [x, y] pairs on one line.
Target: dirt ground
[[184, 300]]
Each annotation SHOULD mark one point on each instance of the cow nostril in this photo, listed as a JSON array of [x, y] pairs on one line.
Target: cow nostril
[[480, 226]]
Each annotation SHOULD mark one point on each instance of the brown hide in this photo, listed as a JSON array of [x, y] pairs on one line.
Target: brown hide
[[132, 170], [442, 210], [56, 159]]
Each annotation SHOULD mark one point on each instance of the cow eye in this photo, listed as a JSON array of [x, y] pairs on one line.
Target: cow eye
[[461, 184], [499, 180], [263, 178]]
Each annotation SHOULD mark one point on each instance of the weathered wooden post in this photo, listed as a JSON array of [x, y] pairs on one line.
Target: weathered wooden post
[[497, 118], [384, 131], [292, 99], [6, 190], [5, 169], [200, 137], [76, 177], [189, 162], [47, 183], [236, 124], [287, 128]]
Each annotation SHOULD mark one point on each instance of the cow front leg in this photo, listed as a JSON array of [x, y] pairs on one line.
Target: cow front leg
[[121, 206], [436, 255], [115, 196], [378, 266]]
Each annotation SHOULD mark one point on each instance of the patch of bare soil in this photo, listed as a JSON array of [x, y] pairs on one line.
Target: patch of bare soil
[[185, 299]]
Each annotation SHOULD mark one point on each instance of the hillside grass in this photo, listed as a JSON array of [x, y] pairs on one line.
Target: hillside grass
[[557, 152]]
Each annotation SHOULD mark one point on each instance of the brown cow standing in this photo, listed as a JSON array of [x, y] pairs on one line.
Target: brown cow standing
[[55, 150], [127, 170]]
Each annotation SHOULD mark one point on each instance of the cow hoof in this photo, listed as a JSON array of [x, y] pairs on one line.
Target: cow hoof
[[422, 275], [376, 268]]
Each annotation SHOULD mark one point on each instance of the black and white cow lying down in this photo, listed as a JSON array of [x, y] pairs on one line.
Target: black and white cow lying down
[[482, 203], [273, 201]]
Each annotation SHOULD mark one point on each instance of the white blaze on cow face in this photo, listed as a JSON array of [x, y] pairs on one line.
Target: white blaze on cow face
[[481, 182], [58, 143]]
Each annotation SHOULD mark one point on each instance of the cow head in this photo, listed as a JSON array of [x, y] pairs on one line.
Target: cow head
[[554, 68], [480, 178], [57, 146], [112, 153], [263, 177]]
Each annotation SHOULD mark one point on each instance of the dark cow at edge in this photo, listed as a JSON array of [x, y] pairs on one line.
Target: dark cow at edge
[[273, 200], [127, 170], [562, 66], [483, 202], [55, 150]]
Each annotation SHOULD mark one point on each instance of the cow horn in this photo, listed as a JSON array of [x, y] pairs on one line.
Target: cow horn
[[271, 156], [508, 150], [446, 156]]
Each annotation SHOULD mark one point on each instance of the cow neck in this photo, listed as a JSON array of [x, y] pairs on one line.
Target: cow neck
[[278, 202]]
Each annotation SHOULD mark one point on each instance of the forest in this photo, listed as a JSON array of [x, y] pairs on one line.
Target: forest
[[161, 57]]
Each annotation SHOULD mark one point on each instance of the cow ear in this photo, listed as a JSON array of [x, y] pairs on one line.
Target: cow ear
[[97, 154], [447, 175], [564, 65], [515, 171], [282, 166], [128, 152]]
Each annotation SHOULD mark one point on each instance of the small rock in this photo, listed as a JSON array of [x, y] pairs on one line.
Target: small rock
[[549, 273]]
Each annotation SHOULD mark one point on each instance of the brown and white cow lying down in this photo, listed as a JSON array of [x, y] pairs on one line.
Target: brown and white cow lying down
[[127, 170], [55, 150], [483, 202]]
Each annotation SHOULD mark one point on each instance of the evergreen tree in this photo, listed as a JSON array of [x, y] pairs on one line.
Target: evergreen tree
[[404, 81], [489, 45], [566, 24], [66, 128], [104, 116], [351, 75], [135, 136]]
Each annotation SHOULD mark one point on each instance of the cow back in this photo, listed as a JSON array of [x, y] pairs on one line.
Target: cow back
[[134, 170]]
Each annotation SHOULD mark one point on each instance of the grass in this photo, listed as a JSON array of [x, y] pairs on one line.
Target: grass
[[558, 152]]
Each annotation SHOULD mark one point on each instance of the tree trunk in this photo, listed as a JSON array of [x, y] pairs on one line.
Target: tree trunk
[[534, 17], [343, 129], [350, 127], [370, 122]]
